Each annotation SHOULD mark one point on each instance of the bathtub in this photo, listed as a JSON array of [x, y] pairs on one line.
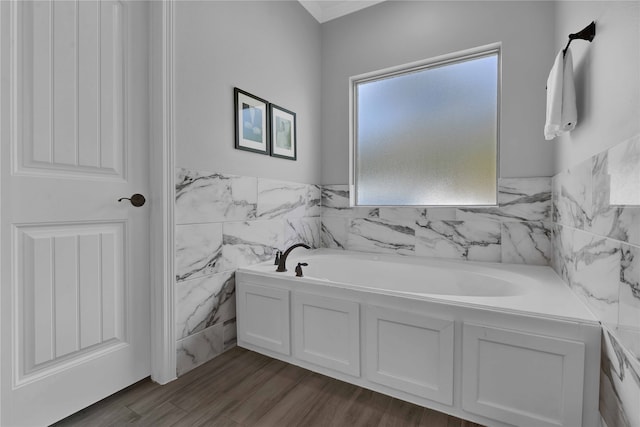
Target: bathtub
[[498, 344]]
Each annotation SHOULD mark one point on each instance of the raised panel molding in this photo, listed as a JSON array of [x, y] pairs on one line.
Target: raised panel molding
[[522, 379], [327, 332], [70, 287], [70, 78], [266, 318], [410, 352]]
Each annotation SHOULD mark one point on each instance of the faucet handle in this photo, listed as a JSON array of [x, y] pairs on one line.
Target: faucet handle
[[299, 268], [278, 255]]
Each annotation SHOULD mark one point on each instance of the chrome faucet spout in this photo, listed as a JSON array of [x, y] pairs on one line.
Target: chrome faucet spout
[[282, 263]]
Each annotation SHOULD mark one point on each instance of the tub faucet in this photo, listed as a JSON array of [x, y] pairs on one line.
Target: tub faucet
[[282, 266]]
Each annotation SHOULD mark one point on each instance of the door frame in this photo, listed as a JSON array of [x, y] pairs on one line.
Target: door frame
[[162, 181]]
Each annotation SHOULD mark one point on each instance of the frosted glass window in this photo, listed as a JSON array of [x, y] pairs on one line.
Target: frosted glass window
[[428, 136]]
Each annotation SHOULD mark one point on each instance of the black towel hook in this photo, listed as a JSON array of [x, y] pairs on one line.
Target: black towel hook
[[587, 33]]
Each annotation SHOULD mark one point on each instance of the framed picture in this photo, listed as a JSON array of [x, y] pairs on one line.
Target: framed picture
[[252, 122], [283, 133]]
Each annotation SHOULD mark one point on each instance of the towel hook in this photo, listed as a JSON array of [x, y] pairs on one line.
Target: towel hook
[[587, 33]]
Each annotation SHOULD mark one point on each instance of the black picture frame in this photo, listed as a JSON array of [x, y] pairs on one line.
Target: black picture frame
[[283, 131], [251, 122]]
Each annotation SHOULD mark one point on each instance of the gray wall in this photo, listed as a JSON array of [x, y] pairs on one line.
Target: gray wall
[[606, 75], [270, 49], [397, 32]]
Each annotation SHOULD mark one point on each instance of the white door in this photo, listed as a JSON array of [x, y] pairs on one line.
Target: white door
[[74, 260]]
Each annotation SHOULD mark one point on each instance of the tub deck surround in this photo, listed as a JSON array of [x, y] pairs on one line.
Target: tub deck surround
[[596, 251], [439, 333], [516, 231], [513, 288]]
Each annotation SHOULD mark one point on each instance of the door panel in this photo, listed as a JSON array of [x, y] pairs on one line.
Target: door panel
[[75, 308], [71, 79], [73, 287]]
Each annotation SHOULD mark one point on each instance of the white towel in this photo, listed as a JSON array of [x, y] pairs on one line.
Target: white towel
[[561, 97]]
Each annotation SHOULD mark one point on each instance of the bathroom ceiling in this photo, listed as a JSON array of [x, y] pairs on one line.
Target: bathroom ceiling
[[326, 10]]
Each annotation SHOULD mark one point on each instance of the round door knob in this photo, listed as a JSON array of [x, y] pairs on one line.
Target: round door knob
[[136, 200]]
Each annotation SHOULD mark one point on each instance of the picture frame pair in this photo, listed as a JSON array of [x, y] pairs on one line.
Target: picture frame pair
[[263, 127]]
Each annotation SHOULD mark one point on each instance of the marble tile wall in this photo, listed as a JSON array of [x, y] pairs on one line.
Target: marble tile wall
[[224, 222], [517, 231], [596, 250]]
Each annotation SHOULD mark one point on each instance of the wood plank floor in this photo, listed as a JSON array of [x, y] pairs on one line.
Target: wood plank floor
[[244, 388]]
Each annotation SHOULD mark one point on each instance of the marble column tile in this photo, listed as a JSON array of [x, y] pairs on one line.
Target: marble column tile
[[214, 197], [628, 329], [519, 199], [619, 384], [375, 235], [197, 349], [611, 218], [247, 243], [198, 250], [334, 232], [402, 213], [281, 199], [303, 230], [526, 243], [477, 240], [200, 302], [595, 275], [572, 196], [230, 334], [314, 200]]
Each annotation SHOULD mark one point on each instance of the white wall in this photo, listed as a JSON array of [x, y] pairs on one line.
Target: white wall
[[270, 49], [397, 32], [607, 77]]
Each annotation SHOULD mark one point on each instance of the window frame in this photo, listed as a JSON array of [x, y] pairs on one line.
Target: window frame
[[442, 60]]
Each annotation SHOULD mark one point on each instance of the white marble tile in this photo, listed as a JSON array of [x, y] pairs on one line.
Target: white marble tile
[[198, 250], [334, 232], [610, 219], [562, 243], [303, 230], [213, 197], [200, 302], [526, 243], [519, 199], [335, 202], [443, 214], [230, 334], [375, 235], [402, 214], [628, 328], [314, 200], [197, 349], [335, 196], [572, 196], [247, 243], [595, 274], [624, 170], [619, 384], [477, 240], [281, 199]]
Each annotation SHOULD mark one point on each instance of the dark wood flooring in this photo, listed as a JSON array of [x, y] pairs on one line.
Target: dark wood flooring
[[244, 388]]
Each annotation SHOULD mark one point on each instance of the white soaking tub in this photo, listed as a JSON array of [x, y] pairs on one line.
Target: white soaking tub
[[498, 344]]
